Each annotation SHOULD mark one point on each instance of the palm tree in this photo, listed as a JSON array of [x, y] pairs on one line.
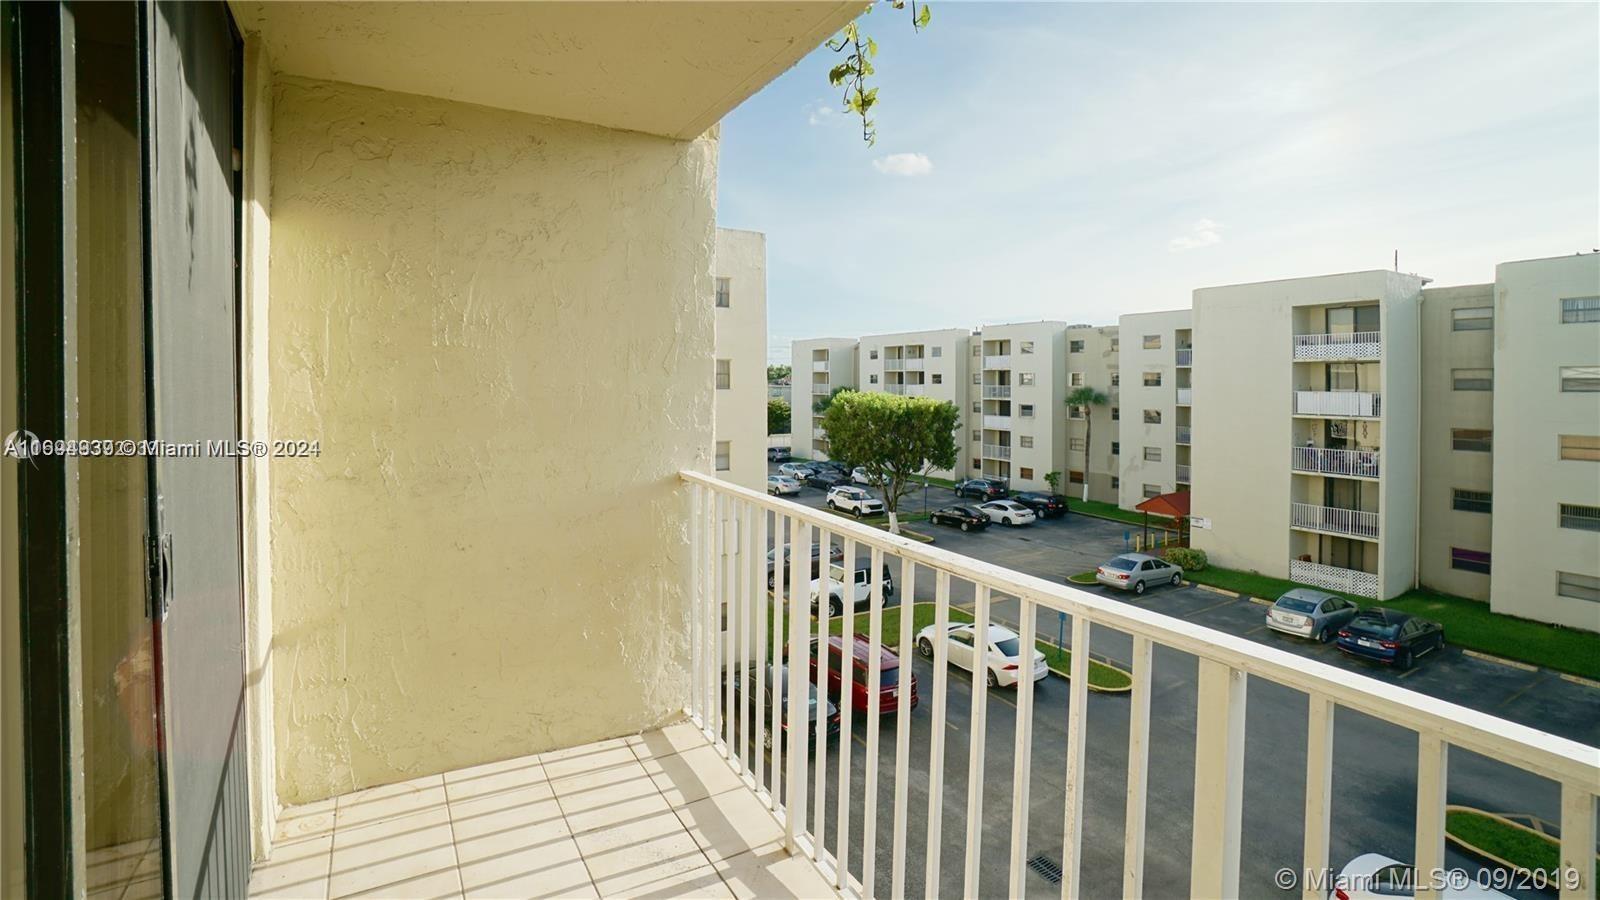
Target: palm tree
[[1088, 398]]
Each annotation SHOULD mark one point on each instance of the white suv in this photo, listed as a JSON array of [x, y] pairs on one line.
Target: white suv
[[853, 500]]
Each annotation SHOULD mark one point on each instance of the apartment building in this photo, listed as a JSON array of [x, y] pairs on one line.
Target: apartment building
[[821, 366], [1017, 402], [922, 364], [740, 302], [1155, 415], [1092, 361]]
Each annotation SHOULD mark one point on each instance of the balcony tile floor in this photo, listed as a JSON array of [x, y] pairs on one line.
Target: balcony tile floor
[[652, 815]]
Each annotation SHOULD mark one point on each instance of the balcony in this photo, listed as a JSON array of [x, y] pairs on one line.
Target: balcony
[[1183, 474], [819, 387], [1000, 423], [913, 363], [1356, 345], [1356, 523], [1338, 404], [997, 362], [893, 365], [997, 392], [819, 365], [1183, 433], [908, 390], [1185, 396], [1333, 578], [996, 451], [1326, 461], [1185, 356]]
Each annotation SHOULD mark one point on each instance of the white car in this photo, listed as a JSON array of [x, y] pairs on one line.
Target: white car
[[1008, 512], [1004, 660], [781, 485], [860, 594], [853, 500], [795, 469], [1373, 876], [859, 475]]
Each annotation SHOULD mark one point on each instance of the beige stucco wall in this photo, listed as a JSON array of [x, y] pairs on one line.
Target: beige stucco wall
[[1096, 362], [952, 365], [840, 371], [1444, 469], [1134, 398], [741, 410], [495, 324], [1530, 412]]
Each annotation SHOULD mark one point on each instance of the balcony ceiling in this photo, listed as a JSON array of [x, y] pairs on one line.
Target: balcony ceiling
[[671, 69]]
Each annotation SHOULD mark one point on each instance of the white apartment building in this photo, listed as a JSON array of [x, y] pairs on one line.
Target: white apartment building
[[821, 366], [740, 301], [1155, 419], [1092, 361], [922, 364], [1017, 403]]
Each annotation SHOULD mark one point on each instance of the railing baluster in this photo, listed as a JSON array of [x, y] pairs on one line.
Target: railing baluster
[[822, 680], [696, 604], [869, 797], [1433, 772], [847, 593], [799, 572], [1577, 841], [1138, 768], [1021, 777], [747, 592], [1218, 781], [752, 675], [1319, 791], [902, 725], [768, 688], [980, 710], [941, 663], [1077, 739], [726, 628]]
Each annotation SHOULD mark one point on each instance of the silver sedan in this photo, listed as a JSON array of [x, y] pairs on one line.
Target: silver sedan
[[1310, 614]]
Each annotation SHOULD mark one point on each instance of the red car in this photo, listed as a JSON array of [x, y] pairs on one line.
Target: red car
[[890, 689]]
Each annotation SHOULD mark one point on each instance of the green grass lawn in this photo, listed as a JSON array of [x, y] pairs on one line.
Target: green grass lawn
[[1102, 510], [1521, 847], [1467, 623], [1082, 578]]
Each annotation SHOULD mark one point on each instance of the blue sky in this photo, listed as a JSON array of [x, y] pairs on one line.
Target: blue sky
[[1080, 161]]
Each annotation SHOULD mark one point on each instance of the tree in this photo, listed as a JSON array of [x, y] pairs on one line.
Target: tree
[[778, 414], [895, 438], [859, 50], [822, 404], [776, 374], [1087, 398], [1054, 480]]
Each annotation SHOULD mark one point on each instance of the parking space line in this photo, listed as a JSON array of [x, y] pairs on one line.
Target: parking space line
[[1526, 688], [1211, 607], [1409, 672], [1255, 629]]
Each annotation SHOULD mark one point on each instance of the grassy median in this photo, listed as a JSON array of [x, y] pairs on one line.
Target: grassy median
[[1519, 846], [1103, 510]]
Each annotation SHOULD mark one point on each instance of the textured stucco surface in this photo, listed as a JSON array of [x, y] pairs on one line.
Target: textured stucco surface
[[496, 326]]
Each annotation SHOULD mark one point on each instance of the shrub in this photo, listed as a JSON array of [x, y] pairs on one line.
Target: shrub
[[1187, 558]]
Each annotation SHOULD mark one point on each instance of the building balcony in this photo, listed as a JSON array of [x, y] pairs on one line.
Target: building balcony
[[1356, 345], [1327, 461], [1185, 356], [913, 363], [907, 390], [997, 362], [819, 365], [1183, 470], [996, 451], [893, 365], [1185, 396], [1183, 433], [1000, 423], [1333, 578], [997, 392], [1356, 523], [1338, 404], [819, 387]]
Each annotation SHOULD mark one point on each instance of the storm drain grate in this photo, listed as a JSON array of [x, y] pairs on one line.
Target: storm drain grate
[[1048, 869]]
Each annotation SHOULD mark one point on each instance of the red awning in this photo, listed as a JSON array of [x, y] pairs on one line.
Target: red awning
[[1174, 505]]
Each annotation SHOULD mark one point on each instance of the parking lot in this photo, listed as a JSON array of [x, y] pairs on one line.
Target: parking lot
[[1373, 783]]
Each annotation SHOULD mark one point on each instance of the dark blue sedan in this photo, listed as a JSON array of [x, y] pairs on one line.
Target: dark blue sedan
[[1389, 636]]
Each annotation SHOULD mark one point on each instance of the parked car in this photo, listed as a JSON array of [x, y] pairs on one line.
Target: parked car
[[860, 475], [825, 478], [1373, 876], [797, 470], [891, 687], [960, 516], [1008, 512], [1390, 636], [1136, 571], [1045, 506], [774, 686], [1003, 659], [777, 454], [981, 489], [859, 591], [854, 501], [835, 554], [782, 485], [1310, 614]]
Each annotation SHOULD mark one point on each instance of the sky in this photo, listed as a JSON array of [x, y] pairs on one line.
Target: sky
[[1080, 161]]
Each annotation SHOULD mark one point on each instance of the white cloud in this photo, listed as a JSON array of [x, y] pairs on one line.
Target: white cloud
[[819, 113], [907, 164], [1203, 233]]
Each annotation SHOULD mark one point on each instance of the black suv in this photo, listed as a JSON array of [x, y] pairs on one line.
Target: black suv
[[981, 489], [826, 477], [960, 516], [1045, 506]]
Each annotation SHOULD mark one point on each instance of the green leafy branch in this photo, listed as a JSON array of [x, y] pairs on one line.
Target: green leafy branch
[[852, 73]]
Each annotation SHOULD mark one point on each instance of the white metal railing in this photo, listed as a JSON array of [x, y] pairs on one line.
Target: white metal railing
[[1351, 581], [1328, 461], [895, 388], [1184, 433], [916, 390], [1000, 423], [894, 365], [730, 531], [997, 392], [1359, 523], [997, 451], [1357, 404], [1185, 356], [1354, 345], [997, 362], [1185, 396], [1183, 473], [914, 363], [819, 365], [819, 387]]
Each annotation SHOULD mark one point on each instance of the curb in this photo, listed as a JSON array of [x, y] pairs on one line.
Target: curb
[[1579, 679], [1488, 657], [1479, 851], [1259, 601], [1215, 590]]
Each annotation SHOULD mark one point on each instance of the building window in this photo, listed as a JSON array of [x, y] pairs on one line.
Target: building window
[[1025, 379], [722, 293], [1580, 517], [1026, 410], [1116, 413], [937, 378], [1470, 501], [873, 378], [1478, 440], [1115, 482], [1580, 379], [1026, 473], [977, 434], [937, 351], [723, 452], [1580, 446], [1469, 560], [1152, 379], [977, 378], [1026, 441], [1116, 448], [1116, 378], [1116, 344], [1474, 318], [1576, 310], [977, 464], [1578, 587], [724, 374], [1152, 454], [1342, 377], [1152, 490], [1152, 417], [1027, 346], [1074, 476], [1074, 346], [1472, 379], [1074, 412], [977, 349], [977, 406], [1152, 342], [1075, 444], [1075, 379]]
